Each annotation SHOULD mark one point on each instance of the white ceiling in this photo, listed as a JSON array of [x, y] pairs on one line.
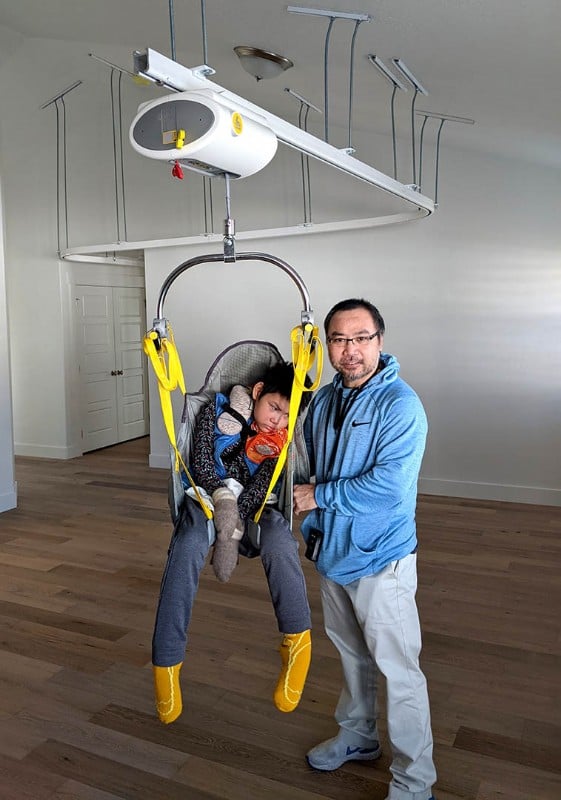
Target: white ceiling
[[495, 61]]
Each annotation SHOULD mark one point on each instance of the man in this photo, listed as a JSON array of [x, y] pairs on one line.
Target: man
[[365, 435]]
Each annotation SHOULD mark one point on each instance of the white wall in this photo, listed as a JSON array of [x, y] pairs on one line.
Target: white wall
[[8, 488], [471, 302], [470, 296]]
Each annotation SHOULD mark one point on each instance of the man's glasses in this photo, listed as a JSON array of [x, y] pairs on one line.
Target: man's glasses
[[342, 341]]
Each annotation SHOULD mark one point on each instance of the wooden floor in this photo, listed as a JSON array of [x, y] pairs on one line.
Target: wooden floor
[[80, 564]]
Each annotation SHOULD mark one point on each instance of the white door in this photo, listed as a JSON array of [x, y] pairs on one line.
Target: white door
[[129, 315], [112, 322]]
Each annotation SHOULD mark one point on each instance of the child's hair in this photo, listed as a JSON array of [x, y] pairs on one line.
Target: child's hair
[[279, 378]]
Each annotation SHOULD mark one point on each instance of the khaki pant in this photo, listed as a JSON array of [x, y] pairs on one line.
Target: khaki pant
[[374, 624]]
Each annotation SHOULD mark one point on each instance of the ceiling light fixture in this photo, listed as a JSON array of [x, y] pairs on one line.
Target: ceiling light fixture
[[261, 63]]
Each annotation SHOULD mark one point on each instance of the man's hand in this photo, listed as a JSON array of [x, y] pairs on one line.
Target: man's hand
[[304, 498]]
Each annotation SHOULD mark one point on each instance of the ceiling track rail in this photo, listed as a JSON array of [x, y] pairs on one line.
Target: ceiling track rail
[[109, 253], [167, 73]]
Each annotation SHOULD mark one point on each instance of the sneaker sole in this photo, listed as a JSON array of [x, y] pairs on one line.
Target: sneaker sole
[[330, 767]]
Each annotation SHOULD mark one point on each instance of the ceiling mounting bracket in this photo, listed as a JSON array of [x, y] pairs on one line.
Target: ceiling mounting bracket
[[443, 118], [322, 12], [332, 16], [305, 107], [203, 71]]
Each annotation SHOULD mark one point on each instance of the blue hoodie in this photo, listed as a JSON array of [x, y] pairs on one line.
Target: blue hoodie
[[366, 472]]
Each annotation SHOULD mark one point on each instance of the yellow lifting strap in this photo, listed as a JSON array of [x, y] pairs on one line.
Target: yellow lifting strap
[[164, 358], [306, 348]]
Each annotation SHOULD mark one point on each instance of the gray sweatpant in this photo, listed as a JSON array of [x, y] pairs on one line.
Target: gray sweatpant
[[187, 555]]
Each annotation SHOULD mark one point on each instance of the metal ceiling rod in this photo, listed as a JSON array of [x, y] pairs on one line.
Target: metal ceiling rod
[[61, 177], [208, 205], [207, 183], [117, 128], [172, 29], [305, 162], [305, 166], [207, 188], [417, 85], [304, 159], [421, 153], [332, 15], [443, 118], [397, 84], [437, 161], [203, 22], [118, 162], [61, 162], [350, 148], [326, 80]]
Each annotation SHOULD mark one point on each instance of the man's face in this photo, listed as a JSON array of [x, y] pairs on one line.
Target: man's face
[[355, 361]]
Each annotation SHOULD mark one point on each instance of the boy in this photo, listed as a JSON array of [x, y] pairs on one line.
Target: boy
[[230, 437]]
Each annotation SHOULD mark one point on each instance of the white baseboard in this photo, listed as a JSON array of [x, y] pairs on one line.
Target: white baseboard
[[46, 451], [9, 500], [534, 495], [159, 461]]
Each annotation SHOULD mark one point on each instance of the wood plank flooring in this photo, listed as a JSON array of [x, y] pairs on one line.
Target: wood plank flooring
[[80, 565]]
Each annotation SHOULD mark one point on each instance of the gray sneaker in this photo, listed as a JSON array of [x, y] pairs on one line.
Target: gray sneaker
[[333, 753]]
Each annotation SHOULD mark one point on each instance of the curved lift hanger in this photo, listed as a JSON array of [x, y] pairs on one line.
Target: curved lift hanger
[[228, 256]]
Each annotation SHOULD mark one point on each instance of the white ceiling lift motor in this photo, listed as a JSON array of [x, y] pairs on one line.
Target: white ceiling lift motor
[[204, 133]]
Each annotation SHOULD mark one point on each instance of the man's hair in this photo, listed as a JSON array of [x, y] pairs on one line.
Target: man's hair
[[350, 305], [279, 378]]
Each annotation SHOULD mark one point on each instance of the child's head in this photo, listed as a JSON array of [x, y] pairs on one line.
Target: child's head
[[271, 397]]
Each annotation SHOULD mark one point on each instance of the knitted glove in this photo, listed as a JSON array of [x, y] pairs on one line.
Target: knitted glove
[[240, 400], [229, 531]]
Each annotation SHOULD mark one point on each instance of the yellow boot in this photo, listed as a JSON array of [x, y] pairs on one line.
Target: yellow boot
[[168, 692], [296, 653]]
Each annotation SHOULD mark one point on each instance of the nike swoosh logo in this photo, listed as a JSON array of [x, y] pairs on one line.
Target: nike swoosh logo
[[351, 751], [355, 424]]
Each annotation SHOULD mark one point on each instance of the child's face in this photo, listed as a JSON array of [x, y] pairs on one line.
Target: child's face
[[270, 411]]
